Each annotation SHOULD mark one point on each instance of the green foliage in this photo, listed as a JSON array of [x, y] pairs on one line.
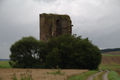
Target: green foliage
[[14, 77], [113, 76], [56, 72], [25, 53], [72, 52], [0, 78], [26, 76]]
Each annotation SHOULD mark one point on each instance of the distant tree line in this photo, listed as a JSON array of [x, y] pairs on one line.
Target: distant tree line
[[109, 50], [66, 51], [4, 59]]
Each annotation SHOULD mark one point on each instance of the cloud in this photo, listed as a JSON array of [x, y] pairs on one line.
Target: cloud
[[96, 19]]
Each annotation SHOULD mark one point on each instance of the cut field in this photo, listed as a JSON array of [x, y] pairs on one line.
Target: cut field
[[39, 74], [111, 60]]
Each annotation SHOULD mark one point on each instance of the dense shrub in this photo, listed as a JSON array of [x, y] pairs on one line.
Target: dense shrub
[[72, 52]]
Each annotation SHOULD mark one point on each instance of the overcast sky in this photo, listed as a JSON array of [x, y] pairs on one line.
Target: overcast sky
[[99, 20]]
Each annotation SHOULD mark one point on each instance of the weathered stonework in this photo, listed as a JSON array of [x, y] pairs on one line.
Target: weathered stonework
[[52, 25]]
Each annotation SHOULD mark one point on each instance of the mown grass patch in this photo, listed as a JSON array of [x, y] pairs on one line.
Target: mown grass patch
[[83, 76], [113, 76]]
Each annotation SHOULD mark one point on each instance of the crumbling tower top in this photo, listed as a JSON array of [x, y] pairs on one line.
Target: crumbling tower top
[[52, 25]]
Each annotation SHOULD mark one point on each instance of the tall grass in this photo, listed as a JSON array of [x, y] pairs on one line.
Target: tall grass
[[25, 76], [56, 72], [113, 76]]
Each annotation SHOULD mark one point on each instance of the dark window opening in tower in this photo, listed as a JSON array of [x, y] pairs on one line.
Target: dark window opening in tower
[[58, 26], [50, 30], [57, 21]]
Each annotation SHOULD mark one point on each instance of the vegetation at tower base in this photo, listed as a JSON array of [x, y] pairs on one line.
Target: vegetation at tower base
[[66, 51], [24, 53]]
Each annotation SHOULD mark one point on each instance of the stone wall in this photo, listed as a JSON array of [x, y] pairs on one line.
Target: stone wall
[[52, 25]]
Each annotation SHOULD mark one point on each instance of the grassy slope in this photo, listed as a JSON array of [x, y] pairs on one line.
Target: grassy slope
[[4, 64], [83, 76], [111, 61], [113, 76]]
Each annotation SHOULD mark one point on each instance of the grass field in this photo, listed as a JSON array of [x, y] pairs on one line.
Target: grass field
[[4, 64], [113, 76]]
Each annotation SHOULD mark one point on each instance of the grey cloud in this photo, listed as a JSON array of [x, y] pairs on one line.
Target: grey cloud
[[98, 20], [46, 1]]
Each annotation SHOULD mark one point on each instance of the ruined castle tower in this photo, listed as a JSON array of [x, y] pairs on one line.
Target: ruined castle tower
[[52, 25]]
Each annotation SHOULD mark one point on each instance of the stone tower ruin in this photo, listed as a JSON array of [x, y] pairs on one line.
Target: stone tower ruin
[[52, 25]]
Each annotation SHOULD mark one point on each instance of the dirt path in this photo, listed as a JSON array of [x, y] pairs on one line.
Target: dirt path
[[104, 76], [92, 76]]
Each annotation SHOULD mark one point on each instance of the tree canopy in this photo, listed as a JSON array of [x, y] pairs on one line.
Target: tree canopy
[[25, 52]]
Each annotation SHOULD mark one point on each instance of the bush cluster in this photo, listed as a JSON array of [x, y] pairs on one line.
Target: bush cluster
[[67, 51]]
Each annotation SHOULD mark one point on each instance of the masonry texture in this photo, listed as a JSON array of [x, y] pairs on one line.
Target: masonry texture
[[52, 25]]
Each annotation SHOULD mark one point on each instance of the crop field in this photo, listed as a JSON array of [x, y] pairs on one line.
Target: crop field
[[111, 60], [38, 74]]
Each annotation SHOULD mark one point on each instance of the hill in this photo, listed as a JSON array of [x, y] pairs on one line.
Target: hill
[[111, 60], [4, 59], [109, 50], [111, 53]]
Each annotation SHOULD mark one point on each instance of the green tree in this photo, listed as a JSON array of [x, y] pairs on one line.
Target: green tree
[[70, 51], [25, 53]]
